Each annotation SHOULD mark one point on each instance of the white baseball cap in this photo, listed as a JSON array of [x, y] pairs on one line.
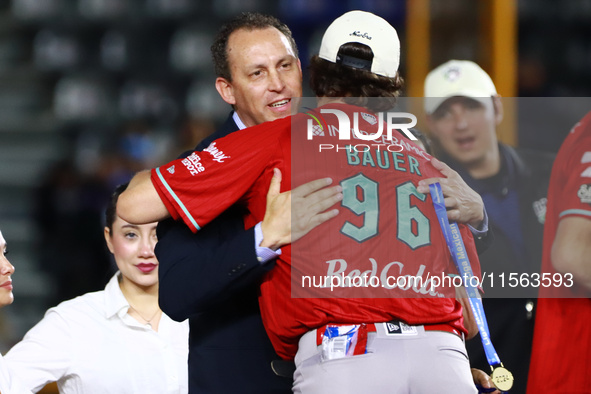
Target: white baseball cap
[[364, 28], [457, 78]]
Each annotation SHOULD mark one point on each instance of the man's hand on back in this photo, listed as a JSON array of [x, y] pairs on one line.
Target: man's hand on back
[[310, 202], [463, 204]]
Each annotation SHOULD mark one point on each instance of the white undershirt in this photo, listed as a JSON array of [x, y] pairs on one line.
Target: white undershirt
[[263, 254]]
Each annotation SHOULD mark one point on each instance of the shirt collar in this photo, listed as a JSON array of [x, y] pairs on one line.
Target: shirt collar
[[115, 301], [238, 121]]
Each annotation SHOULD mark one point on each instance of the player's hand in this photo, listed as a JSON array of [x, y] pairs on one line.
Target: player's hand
[[463, 204], [484, 381], [310, 202]]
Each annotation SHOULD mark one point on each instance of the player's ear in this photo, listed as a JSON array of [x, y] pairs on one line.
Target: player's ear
[[226, 90], [107, 234]]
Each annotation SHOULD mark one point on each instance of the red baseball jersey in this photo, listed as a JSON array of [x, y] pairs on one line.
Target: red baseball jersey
[[561, 354], [385, 229]]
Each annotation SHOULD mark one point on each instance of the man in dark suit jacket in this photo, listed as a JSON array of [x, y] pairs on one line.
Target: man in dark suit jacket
[[217, 290], [212, 278]]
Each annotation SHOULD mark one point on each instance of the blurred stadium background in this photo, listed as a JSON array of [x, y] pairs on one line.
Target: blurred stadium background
[[93, 90]]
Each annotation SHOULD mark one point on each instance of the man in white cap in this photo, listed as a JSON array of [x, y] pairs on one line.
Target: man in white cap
[[396, 339], [463, 111]]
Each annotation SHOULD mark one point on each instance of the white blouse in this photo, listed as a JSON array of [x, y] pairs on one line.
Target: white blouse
[[91, 345]]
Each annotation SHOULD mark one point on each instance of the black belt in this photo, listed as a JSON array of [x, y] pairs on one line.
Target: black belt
[[283, 368]]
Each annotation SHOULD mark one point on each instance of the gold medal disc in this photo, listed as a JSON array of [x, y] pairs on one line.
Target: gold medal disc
[[502, 378]]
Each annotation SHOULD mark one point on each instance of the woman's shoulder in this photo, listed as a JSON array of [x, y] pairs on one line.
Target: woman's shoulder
[[86, 304]]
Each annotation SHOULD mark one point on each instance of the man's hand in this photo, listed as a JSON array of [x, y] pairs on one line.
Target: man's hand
[[482, 379], [310, 202], [463, 204]]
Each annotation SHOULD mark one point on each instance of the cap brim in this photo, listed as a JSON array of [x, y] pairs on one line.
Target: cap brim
[[432, 103]]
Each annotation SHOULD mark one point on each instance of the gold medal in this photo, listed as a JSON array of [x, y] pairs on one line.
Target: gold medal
[[502, 378]]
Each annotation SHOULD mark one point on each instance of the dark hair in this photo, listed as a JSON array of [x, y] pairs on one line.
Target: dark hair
[[111, 211], [247, 21], [358, 87]]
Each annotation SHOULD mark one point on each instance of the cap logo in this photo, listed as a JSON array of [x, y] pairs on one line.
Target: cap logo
[[357, 33], [369, 118], [584, 193], [452, 74]]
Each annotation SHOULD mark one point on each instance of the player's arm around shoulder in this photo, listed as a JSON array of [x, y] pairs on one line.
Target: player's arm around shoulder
[[140, 202]]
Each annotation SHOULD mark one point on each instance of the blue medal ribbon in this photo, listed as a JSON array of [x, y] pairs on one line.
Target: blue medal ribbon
[[456, 246]]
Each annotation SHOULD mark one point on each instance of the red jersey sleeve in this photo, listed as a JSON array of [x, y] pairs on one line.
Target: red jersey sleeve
[[576, 172], [201, 186]]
